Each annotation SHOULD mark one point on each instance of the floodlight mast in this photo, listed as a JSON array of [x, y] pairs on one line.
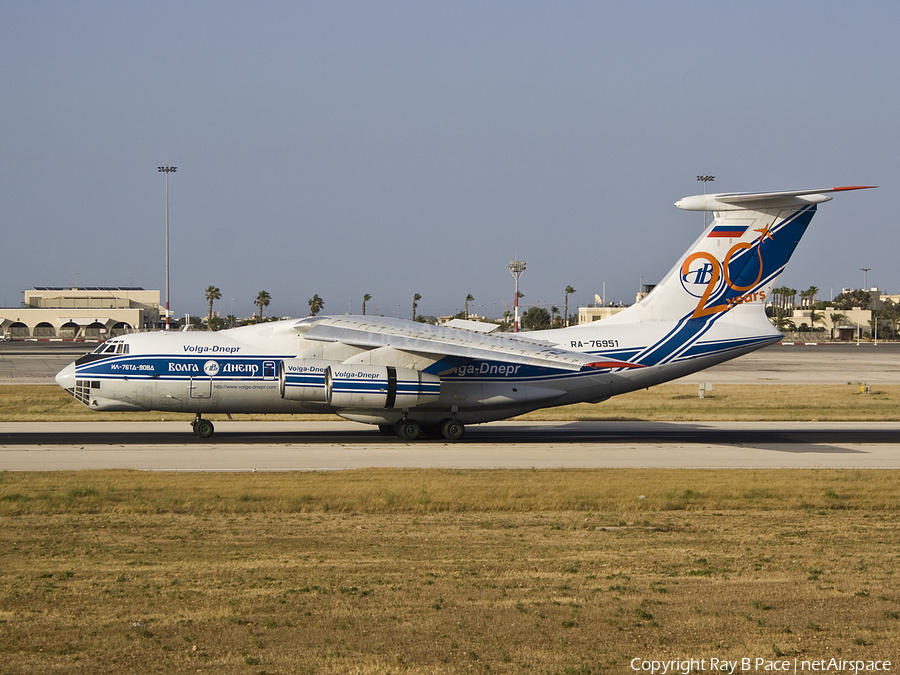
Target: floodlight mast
[[705, 179], [167, 170], [516, 267]]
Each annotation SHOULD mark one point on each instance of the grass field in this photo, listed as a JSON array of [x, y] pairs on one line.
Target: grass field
[[429, 571], [668, 402]]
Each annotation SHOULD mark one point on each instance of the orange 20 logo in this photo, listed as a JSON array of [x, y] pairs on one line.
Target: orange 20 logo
[[702, 270]]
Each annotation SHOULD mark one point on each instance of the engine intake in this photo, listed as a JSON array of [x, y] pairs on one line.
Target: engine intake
[[302, 380]]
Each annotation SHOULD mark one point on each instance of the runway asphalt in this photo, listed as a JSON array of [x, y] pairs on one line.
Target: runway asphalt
[[292, 446]]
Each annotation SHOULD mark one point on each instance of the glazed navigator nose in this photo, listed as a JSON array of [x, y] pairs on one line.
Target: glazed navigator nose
[[66, 377]]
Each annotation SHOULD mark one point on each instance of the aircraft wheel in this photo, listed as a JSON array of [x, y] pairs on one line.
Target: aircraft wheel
[[204, 428], [387, 429], [452, 430], [408, 430]]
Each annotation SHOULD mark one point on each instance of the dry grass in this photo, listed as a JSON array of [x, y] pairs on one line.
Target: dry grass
[[736, 402], [424, 571], [668, 402]]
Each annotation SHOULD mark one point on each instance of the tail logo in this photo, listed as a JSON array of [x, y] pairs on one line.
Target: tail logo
[[698, 273], [702, 276]]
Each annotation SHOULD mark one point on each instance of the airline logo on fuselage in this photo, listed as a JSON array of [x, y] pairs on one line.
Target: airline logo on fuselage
[[212, 368], [485, 368], [211, 349]]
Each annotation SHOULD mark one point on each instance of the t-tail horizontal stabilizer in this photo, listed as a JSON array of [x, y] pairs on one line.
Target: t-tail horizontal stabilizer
[[739, 201]]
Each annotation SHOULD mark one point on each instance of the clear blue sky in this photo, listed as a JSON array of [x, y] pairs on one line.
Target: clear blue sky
[[392, 148]]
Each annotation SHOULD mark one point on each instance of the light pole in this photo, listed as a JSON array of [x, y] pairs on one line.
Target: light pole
[[516, 267], [705, 179], [865, 271], [167, 170]]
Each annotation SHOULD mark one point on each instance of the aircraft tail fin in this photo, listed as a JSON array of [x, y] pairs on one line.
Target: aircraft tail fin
[[737, 259]]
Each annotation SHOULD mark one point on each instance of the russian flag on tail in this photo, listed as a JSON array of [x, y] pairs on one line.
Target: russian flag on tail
[[729, 231]]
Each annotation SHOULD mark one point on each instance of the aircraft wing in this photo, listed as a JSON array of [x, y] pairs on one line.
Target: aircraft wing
[[438, 341]]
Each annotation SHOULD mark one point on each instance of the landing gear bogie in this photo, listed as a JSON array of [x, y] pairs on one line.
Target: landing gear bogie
[[452, 430], [408, 430], [203, 428]]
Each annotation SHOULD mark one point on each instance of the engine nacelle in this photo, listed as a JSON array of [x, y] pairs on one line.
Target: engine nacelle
[[379, 387], [303, 380]]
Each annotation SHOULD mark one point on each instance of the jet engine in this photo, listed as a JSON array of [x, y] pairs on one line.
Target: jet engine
[[379, 387], [303, 380]]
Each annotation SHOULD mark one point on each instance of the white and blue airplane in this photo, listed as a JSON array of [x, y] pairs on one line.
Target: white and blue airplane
[[411, 378]]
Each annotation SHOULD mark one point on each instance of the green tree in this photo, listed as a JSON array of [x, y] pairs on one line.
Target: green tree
[[536, 318], [851, 299], [469, 299], [569, 291], [416, 298], [366, 298], [783, 307], [808, 297], [262, 300], [315, 304], [212, 294], [555, 319]]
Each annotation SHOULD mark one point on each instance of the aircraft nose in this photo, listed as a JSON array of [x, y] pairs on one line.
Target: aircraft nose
[[66, 377]]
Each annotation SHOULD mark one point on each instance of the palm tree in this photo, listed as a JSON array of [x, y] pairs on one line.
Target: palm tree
[[836, 318], [815, 317], [555, 321], [315, 304], [262, 300], [469, 299], [809, 296], [366, 298], [569, 290], [212, 294], [416, 298], [782, 302]]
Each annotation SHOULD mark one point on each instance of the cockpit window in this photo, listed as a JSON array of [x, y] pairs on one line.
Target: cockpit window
[[111, 348]]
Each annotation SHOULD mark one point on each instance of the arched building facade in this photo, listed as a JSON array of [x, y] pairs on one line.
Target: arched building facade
[[82, 313]]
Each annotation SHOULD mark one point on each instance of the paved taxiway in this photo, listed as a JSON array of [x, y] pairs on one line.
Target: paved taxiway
[[290, 446]]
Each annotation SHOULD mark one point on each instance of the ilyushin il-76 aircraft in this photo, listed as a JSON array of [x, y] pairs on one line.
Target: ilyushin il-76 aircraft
[[414, 379]]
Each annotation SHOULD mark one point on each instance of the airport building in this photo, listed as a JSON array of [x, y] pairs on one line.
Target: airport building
[[81, 313]]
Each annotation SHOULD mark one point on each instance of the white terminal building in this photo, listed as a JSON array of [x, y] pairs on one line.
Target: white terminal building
[[81, 313]]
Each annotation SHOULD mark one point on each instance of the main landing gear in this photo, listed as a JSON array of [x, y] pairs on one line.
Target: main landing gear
[[409, 429], [203, 428]]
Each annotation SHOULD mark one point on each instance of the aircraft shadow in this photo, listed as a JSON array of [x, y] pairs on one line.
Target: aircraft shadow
[[819, 440]]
